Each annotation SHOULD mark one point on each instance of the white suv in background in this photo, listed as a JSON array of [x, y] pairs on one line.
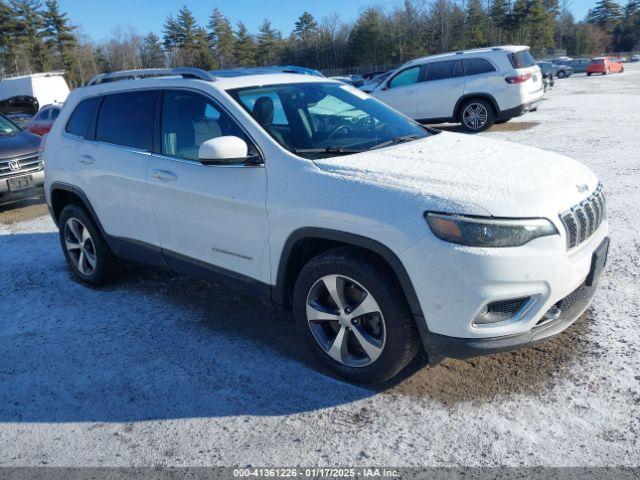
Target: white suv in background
[[476, 88], [379, 233]]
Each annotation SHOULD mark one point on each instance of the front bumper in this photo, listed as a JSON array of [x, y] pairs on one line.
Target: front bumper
[[38, 182], [454, 284], [572, 306]]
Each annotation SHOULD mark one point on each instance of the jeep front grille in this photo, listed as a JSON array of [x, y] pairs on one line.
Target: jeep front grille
[[581, 220], [20, 165]]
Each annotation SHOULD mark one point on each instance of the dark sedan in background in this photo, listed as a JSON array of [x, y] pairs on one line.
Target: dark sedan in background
[[21, 169]]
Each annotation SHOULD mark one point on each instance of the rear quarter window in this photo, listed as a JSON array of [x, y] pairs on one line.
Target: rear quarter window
[[127, 119], [82, 116], [521, 59]]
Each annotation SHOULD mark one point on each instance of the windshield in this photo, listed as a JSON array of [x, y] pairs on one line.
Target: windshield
[[7, 127], [319, 119]]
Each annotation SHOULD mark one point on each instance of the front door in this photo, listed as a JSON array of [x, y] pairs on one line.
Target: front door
[[399, 91], [209, 215], [441, 87]]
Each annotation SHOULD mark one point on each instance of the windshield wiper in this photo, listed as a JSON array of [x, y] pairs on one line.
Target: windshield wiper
[[394, 140], [336, 150]]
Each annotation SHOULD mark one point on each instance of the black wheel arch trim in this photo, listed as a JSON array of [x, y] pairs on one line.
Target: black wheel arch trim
[[484, 96], [78, 193], [127, 249], [281, 291]]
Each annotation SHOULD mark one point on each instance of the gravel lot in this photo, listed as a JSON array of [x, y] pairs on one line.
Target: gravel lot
[[162, 369]]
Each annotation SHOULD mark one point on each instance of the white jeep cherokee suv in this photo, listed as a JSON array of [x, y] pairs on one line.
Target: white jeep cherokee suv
[[475, 88], [380, 234]]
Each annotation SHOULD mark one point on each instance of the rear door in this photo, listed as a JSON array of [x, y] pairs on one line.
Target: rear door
[[111, 164], [482, 76], [441, 85], [399, 91]]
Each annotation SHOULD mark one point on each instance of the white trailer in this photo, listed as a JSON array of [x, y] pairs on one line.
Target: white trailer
[[32, 92]]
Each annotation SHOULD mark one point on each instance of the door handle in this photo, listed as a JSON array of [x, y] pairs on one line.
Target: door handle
[[164, 175], [86, 159]]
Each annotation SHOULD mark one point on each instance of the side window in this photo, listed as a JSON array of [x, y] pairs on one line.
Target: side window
[[477, 66], [406, 77], [189, 119], [82, 116], [54, 113], [442, 70], [127, 119]]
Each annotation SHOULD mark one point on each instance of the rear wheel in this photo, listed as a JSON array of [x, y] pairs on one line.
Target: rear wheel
[[87, 253], [353, 316], [561, 74], [476, 115]]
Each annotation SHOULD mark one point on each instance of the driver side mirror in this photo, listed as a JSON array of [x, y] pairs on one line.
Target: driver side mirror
[[225, 150]]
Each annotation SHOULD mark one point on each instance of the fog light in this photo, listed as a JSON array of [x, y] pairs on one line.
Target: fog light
[[500, 310]]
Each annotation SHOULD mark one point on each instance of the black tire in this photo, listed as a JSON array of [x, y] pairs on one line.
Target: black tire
[[104, 259], [561, 74], [490, 115], [588, 74], [400, 343]]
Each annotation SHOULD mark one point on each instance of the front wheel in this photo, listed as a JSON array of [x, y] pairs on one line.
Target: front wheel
[[477, 115], [88, 255], [561, 74], [353, 316]]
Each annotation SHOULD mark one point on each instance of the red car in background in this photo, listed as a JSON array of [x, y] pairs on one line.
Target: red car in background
[[43, 120], [604, 65]]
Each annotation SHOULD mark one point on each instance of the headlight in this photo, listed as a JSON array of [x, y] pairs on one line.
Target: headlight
[[486, 231]]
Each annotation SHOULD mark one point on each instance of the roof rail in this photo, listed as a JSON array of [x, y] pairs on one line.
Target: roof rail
[[184, 72]]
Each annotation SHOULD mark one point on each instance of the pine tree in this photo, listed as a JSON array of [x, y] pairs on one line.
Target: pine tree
[[203, 57], [30, 31], [499, 16], [245, 47], [8, 28], [62, 39], [475, 25], [187, 33], [368, 40], [269, 41], [605, 14], [151, 55], [171, 33], [222, 39], [305, 26]]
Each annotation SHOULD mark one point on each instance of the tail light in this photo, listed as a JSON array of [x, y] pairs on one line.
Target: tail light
[[518, 78]]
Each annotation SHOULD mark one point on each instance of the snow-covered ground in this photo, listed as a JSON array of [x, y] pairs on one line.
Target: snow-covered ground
[[161, 369]]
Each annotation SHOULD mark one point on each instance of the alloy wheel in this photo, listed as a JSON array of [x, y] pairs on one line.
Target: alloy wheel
[[346, 320], [80, 246], [475, 116]]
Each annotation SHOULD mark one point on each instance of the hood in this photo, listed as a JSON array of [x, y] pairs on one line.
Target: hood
[[503, 178], [19, 143]]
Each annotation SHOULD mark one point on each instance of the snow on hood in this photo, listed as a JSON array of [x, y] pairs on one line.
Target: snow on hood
[[504, 178]]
